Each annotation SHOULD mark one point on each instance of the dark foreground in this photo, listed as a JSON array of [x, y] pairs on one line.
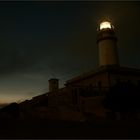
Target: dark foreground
[[62, 129]]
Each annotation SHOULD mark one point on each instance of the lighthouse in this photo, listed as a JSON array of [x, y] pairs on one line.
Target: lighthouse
[[107, 44]]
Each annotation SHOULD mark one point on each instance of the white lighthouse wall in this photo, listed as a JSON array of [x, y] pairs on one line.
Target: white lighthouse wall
[[108, 52]]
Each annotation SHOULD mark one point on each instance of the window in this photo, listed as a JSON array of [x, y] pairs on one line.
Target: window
[[99, 84]]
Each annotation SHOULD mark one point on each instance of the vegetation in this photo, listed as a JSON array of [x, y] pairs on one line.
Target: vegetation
[[124, 97]]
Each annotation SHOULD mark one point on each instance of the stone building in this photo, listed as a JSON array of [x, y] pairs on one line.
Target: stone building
[[81, 98]]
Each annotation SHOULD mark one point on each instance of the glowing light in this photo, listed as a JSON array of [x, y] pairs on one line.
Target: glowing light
[[105, 25]]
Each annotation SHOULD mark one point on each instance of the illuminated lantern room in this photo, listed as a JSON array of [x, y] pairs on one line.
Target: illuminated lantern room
[[105, 25]]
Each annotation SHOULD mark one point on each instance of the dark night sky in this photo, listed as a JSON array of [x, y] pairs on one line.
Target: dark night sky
[[43, 40]]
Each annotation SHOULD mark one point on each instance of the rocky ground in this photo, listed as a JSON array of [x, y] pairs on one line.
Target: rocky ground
[[62, 129]]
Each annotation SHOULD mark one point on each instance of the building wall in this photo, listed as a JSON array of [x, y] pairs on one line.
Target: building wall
[[124, 78], [92, 80], [62, 98], [93, 105], [69, 104]]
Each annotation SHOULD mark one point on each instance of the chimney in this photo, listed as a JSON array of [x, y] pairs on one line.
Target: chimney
[[53, 85]]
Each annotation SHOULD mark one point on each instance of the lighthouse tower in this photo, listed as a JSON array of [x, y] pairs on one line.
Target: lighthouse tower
[[106, 42]]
